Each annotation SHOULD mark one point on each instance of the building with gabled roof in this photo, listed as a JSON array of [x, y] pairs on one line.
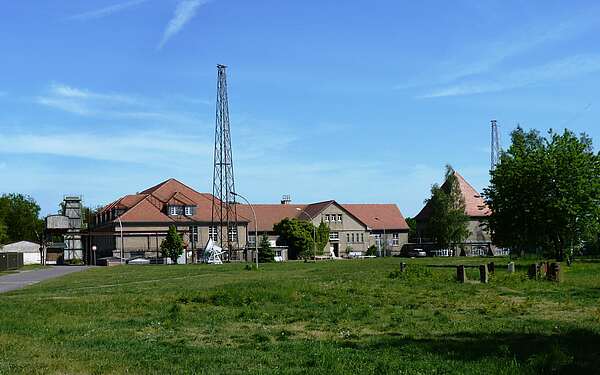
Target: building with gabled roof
[[146, 216], [479, 241]]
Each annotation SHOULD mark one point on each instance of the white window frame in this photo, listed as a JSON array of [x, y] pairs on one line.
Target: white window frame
[[213, 233], [339, 218], [172, 210], [188, 210], [334, 236], [232, 233]]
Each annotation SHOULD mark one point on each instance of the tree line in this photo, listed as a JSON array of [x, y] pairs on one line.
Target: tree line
[[544, 197], [19, 219]]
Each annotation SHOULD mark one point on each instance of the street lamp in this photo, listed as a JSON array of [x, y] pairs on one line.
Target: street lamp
[[383, 225], [121, 227], [94, 248], [255, 225], [314, 231]]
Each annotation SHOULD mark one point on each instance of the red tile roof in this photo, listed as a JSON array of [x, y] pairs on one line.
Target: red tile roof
[[475, 206], [379, 216], [150, 206], [270, 214]]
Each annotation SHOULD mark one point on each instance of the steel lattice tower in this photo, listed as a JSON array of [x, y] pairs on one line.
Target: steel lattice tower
[[224, 214], [495, 146]]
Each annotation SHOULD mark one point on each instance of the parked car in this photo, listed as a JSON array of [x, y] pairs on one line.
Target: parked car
[[418, 253]]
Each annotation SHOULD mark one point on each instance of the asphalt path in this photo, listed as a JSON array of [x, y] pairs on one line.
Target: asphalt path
[[22, 279]]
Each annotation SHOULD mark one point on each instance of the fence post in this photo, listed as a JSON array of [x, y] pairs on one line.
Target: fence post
[[461, 275], [511, 267], [533, 271], [483, 274]]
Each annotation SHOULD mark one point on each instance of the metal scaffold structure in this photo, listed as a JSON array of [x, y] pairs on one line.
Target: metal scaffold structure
[[224, 215], [495, 147]]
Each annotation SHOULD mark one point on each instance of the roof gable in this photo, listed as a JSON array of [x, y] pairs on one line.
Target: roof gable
[[475, 206]]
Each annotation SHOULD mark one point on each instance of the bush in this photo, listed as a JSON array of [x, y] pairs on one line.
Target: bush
[[372, 250]]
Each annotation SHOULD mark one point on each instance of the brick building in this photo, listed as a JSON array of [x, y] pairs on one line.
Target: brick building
[[145, 217]]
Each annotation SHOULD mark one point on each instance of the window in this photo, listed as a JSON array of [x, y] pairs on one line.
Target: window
[[339, 218], [347, 237], [189, 210], [326, 218], [395, 239], [251, 239], [172, 210], [213, 233], [233, 233], [352, 237], [193, 235], [362, 237], [334, 236]]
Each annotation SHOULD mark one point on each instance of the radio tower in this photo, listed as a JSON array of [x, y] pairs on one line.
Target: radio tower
[[495, 146], [224, 215]]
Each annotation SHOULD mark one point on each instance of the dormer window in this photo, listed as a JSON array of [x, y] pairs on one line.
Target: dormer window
[[173, 210], [189, 210]]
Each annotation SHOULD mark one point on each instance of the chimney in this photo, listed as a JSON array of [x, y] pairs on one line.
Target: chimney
[[286, 199]]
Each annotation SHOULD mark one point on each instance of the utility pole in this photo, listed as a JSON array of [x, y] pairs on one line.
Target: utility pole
[[495, 147], [224, 213]]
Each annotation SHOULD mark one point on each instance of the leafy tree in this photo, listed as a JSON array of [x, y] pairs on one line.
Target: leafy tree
[[3, 233], [322, 237], [545, 193], [20, 215], [172, 245], [265, 252], [448, 223], [412, 228], [297, 235]]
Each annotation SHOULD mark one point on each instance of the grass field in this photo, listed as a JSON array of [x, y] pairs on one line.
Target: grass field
[[358, 317]]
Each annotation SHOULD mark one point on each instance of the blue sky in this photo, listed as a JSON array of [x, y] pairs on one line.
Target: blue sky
[[358, 101]]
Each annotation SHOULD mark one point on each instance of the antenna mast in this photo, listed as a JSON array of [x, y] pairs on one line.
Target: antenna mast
[[224, 214], [495, 146]]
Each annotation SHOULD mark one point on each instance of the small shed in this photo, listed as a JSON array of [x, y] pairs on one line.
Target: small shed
[[30, 251]]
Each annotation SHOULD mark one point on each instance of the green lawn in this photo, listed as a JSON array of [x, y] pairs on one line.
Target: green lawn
[[356, 317]]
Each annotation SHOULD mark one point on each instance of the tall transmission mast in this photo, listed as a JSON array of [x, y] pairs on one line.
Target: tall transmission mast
[[224, 214], [495, 146]]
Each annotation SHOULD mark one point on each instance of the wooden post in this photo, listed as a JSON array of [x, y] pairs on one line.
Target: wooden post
[[554, 272], [511, 267], [461, 275], [491, 267], [533, 271], [483, 274]]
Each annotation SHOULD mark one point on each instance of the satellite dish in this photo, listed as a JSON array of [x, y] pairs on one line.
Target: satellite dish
[[212, 253]]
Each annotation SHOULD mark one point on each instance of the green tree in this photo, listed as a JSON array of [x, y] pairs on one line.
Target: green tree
[[448, 223], [172, 245], [20, 215], [412, 228], [3, 233], [545, 193], [265, 252], [322, 237], [297, 235]]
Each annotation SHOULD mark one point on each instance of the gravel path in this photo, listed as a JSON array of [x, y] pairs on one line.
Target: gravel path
[[25, 278]]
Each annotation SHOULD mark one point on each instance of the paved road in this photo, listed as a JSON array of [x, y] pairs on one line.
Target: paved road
[[22, 279]]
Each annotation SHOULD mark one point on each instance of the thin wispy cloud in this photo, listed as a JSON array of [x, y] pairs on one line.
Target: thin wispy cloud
[[149, 147], [83, 102], [107, 11], [484, 59], [563, 69], [184, 13]]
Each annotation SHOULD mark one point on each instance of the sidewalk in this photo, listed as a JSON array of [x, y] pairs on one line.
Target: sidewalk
[[25, 278]]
